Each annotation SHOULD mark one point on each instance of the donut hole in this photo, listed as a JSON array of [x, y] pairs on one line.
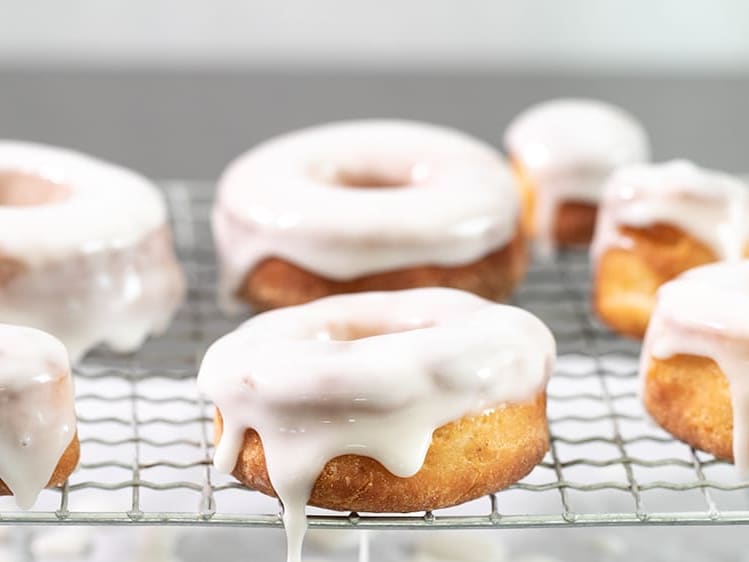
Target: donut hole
[[353, 331], [20, 189], [379, 177]]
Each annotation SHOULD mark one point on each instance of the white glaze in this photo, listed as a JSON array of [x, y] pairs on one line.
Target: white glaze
[[710, 206], [37, 415], [567, 148], [312, 398], [95, 267], [705, 312], [456, 205]]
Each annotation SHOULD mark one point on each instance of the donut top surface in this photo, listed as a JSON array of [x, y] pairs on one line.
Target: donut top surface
[[371, 374], [362, 197], [705, 312], [571, 133], [26, 353], [711, 206], [37, 417], [357, 348], [711, 300], [85, 250], [57, 203]]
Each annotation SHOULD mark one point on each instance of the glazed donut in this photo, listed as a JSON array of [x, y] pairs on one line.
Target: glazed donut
[[694, 359], [85, 250], [656, 221], [366, 205], [38, 443], [381, 402], [562, 151]]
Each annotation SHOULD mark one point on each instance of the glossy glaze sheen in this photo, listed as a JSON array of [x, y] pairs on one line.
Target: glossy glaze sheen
[[567, 148], [711, 206], [94, 266], [37, 415], [418, 359], [435, 197], [705, 312]]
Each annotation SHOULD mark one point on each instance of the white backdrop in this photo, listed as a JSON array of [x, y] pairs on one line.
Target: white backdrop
[[701, 35]]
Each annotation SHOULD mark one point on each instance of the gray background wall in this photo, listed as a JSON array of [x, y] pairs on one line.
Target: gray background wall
[[176, 88], [189, 124]]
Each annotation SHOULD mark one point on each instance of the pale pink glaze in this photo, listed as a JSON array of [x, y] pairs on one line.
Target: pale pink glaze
[[438, 354], [438, 197], [568, 147], [37, 414], [705, 312], [92, 264], [711, 206]]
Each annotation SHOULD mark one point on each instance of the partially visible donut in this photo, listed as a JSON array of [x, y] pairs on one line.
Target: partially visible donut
[[694, 360], [655, 222], [562, 151], [362, 206], [86, 252], [37, 415]]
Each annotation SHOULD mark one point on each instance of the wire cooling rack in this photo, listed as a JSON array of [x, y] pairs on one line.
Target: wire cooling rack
[[146, 434]]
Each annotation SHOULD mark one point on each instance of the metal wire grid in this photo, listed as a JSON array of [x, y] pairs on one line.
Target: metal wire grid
[[146, 434]]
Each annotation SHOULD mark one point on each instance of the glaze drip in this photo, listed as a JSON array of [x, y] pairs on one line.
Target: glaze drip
[[442, 354], [433, 196], [710, 206], [90, 259], [37, 415]]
